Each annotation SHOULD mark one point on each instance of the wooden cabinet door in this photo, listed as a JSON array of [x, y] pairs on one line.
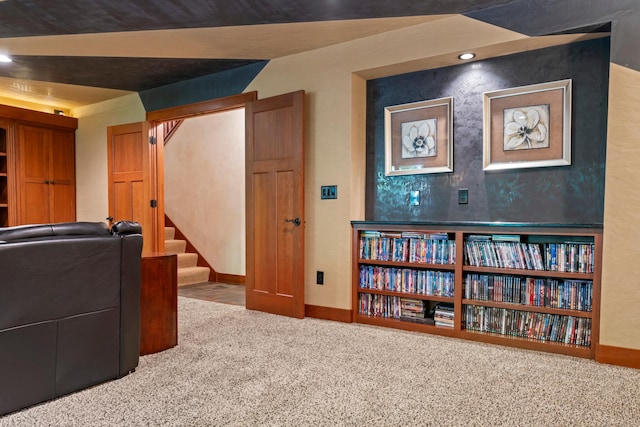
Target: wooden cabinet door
[[6, 174], [62, 188], [47, 175], [34, 145]]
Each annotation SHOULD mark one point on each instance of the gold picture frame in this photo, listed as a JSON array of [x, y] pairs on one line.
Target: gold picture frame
[[419, 137], [528, 126]]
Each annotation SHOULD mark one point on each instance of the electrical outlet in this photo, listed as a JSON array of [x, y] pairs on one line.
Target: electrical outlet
[[320, 277]]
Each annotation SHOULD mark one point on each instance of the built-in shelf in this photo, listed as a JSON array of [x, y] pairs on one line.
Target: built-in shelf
[[533, 306]]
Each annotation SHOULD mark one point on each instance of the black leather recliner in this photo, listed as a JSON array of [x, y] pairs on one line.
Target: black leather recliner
[[69, 308]]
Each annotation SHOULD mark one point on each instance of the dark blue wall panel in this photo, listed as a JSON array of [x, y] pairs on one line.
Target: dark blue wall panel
[[562, 194], [542, 17], [212, 86]]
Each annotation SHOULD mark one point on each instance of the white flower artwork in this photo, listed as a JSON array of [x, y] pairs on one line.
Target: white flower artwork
[[526, 128], [419, 139]]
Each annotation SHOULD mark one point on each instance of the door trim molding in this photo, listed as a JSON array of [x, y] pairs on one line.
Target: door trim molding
[[204, 107], [155, 118]]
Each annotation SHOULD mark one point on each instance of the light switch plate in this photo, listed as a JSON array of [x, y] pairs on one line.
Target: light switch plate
[[463, 196], [329, 192], [414, 198]]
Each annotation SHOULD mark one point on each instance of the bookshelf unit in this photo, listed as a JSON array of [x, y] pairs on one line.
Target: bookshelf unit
[[4, 175], [532, 286]]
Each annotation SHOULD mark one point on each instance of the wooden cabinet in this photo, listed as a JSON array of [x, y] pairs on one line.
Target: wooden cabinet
[[158, 303], [521, 285], [47, 175], [4, 175], [37, 167], [7, 174]]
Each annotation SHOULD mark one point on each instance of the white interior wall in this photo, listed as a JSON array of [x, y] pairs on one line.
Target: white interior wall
[[204, 187], [92, 202]]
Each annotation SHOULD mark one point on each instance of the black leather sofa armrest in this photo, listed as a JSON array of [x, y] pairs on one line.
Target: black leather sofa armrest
[[130, 281], [126, 227]]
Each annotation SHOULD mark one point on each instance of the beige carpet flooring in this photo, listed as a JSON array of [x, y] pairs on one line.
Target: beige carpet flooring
[[235, 367]]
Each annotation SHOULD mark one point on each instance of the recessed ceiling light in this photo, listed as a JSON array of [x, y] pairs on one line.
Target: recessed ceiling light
[[467, 55], [5, 58]]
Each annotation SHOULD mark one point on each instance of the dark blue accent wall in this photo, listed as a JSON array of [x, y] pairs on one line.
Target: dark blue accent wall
[[561, 194], [212, 86]]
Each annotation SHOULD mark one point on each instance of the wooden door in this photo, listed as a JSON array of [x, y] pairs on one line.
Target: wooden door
[[62, 181], [47, 175], [34, 154], [275, 204], [130, 192]]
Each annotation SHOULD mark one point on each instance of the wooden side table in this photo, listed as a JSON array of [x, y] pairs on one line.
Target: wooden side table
[[158, 303]]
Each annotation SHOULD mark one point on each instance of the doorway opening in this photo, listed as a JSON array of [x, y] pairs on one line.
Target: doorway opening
[[188, 178], [204, 201], [274, 193]]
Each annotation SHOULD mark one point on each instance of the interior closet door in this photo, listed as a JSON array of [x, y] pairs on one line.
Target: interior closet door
[[275, 204], [131, 185]]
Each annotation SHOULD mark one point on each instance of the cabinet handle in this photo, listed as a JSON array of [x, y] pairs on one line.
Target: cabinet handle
[[47, 182], [52, 182]]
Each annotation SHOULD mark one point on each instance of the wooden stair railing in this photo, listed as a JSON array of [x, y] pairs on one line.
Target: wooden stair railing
[[169, 128]]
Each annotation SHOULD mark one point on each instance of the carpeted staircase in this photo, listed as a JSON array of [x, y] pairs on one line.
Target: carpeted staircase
[[188, 270]]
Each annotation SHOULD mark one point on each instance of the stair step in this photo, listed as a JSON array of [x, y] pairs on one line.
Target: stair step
[[169, 233], [190, 275], [175, 246], [187, 259]]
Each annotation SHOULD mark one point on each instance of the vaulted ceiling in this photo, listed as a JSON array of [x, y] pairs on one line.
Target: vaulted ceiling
[[76, 53]]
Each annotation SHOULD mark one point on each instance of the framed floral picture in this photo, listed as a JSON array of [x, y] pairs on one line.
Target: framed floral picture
[[419, 137], [528, 127]]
